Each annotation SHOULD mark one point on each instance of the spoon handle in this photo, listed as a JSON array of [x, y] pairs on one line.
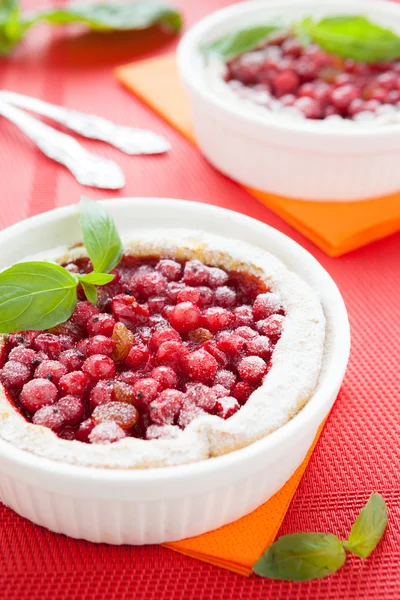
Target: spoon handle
[[128, 139], [89, 169]]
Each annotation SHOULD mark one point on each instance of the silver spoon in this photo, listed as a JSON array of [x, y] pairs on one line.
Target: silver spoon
[[89, 169], [127, 139]]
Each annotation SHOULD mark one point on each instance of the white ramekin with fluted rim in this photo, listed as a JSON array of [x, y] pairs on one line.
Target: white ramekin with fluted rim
[[166, 504], [301, 159]]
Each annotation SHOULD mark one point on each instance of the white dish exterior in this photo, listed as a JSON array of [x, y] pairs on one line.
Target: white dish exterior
[[303, 159], [159, 505]]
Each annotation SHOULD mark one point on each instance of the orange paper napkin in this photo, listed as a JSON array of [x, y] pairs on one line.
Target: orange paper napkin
[[238, 545], [336, 227]]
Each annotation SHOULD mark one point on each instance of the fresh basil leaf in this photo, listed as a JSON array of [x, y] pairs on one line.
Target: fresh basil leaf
[[301, 556], [354, 37], [301, 30], [35, 295], [11, 28], [100, 236], [369, 527], [90, 291], [237, 42], [106, 17], [96, 278]]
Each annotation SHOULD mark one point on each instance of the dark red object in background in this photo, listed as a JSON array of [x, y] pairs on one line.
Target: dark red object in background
[[359, 449]]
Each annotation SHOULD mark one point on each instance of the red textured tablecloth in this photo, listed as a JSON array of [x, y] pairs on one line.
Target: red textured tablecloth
[[359, 448]]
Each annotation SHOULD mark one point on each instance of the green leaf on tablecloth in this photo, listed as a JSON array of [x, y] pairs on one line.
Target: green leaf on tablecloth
[[11, 28], [112, 16], [369, 527], [130, 16], [301, 556]]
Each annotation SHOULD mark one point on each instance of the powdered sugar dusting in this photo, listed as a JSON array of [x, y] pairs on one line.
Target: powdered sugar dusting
[[288, 386]]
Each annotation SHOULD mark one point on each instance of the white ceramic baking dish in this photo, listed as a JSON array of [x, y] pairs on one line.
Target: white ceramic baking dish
[[165, 504], [302, 159]]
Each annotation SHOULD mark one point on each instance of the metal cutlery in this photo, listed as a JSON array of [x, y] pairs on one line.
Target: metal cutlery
[[128, 139], [88, 168]]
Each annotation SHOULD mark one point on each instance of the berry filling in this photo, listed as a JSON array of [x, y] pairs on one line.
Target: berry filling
[[167, 342], [284, 75]]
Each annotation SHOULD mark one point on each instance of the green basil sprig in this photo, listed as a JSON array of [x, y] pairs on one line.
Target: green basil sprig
[[100, 235], [40, 295], [99, 17], [305, 556], [369, 527], [238, 42], [352, 36]]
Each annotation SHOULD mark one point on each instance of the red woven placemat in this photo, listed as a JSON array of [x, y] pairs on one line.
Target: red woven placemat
[[358, 451]]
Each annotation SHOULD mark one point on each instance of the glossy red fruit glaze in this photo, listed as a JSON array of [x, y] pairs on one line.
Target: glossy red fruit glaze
[[265, 305], [170, 269], [226, 407], [206, 296], [82, 346], [259, 346], [102, 324], [38, 393], [285, 82], [241, 391], [272, 327], [49, 343], [225, 378], [151, 284], [137, 357], [225, 297], [243, 316], [189, 294], [195, 273], [156, 304], [232, 344], [217, 318], [309, 107], [82, 313], [173, 290], [166, 377], [100, 344], [106, 433], [246, 332], [102, 393], [342, 96], [185, 317], [165, 409], [145, 391], [201, 395], [14, 374], [72, 410], [73, 384], [84, 430], [52, 370], [252, 369], [24, 338], [181, 374], [217, 277], [50, 417], [126, 308], [23, 355], [387, 81], [200, 366], [72, 359], [99, 367], [163, 335]]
